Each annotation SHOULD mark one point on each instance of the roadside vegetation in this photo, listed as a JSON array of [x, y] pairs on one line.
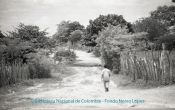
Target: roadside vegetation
[[142, 50], [27, 53]]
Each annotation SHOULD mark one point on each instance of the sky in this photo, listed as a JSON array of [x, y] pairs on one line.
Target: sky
[[48, 13]]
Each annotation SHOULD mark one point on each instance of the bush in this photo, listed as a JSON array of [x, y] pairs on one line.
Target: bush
[[39, 65], [15, 61], [111, 41], [65, 56], [96, 51], [168, 39], [153, 27], [12, 73], [37, 70], [14, 50]]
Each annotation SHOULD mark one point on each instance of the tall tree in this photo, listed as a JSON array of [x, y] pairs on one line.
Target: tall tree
[[98, 24], [31, 34], [65, 28], [152, 26], [75, 37], [166, 14]]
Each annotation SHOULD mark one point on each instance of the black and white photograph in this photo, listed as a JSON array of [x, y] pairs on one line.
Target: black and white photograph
[[87, 54]]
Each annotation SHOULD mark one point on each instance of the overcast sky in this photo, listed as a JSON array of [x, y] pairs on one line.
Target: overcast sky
[[48, 13]]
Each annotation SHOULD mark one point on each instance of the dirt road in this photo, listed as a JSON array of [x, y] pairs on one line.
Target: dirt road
[[84, 89]]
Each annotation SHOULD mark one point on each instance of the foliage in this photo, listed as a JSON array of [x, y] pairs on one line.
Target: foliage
[[38, 70], [39, 65], [50, 44], [114, 38], [152, 26], [24, 40], [168, 39], [159, 27], [97, 25], [31, 34], [165, 14], [16, 47], [76, 36], [1, 35], [111, 42], [15, 72], [64, 56], [13, 50], [96, 51], [65, 28]]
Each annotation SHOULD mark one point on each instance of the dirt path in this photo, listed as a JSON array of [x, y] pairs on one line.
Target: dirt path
[[85, 85]]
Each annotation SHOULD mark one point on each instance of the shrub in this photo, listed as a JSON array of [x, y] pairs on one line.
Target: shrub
[[15, 49], [111, 41], [39, 65], [12, 73], [64, 56], [153, 27], [168, 39], [38, 70], [96, 51]]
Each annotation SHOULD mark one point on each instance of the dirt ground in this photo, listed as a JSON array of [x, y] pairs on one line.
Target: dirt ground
[[84, 85]]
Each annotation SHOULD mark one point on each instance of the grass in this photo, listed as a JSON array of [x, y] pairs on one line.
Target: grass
[[10, 74], [39, 66], [126, 82]]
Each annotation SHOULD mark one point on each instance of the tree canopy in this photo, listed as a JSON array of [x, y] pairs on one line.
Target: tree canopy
[[165, 14], [31, 34], [65, 28], [76, 35], [152, 26], [98, 24]]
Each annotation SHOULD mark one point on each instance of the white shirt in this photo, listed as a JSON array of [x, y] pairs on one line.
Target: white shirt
[[106, 73]]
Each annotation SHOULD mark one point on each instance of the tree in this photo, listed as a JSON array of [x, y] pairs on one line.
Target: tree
[[65, 28], [31, 34], [76, 36], [1, 35], [2, 38], [23, 40], [115, 39], [97, 25], [112, 40], [166, 14], [152, 26], [168, 39]]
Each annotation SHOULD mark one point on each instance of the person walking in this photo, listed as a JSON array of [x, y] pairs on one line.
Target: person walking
[[105, 77]]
